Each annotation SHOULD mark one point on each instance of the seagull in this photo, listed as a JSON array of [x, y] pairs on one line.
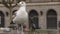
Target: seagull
[[21, 14]]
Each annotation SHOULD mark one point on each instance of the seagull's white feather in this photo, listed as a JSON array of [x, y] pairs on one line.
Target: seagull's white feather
[[21, 14]]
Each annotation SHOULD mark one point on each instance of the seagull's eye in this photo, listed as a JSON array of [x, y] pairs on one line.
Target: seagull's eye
[[22, 2]]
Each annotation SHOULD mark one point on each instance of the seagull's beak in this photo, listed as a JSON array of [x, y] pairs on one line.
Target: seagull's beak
[[19, 5]]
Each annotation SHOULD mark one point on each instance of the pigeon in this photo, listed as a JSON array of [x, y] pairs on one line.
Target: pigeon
[[21, 14]]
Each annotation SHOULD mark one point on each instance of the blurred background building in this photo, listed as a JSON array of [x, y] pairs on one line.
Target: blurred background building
[[45, 14]]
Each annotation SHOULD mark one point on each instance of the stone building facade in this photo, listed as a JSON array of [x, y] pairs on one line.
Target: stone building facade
[[45, 14]]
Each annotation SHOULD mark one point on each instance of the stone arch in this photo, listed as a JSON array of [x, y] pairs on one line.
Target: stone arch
[[51, 19], [33, 18]]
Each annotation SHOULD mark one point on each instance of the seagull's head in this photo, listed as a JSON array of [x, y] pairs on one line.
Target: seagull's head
[[22, 3]]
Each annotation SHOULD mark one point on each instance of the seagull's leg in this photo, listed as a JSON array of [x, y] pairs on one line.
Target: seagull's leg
[[19, 28], [22, 29]]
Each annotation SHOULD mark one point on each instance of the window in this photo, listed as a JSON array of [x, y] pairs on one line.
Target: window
[[59, 24], [33, 19], [51, 19], [1, 19]]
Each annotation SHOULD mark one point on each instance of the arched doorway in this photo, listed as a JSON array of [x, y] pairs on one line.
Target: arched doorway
[[51, 19], [33, 19], [2, 24]]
